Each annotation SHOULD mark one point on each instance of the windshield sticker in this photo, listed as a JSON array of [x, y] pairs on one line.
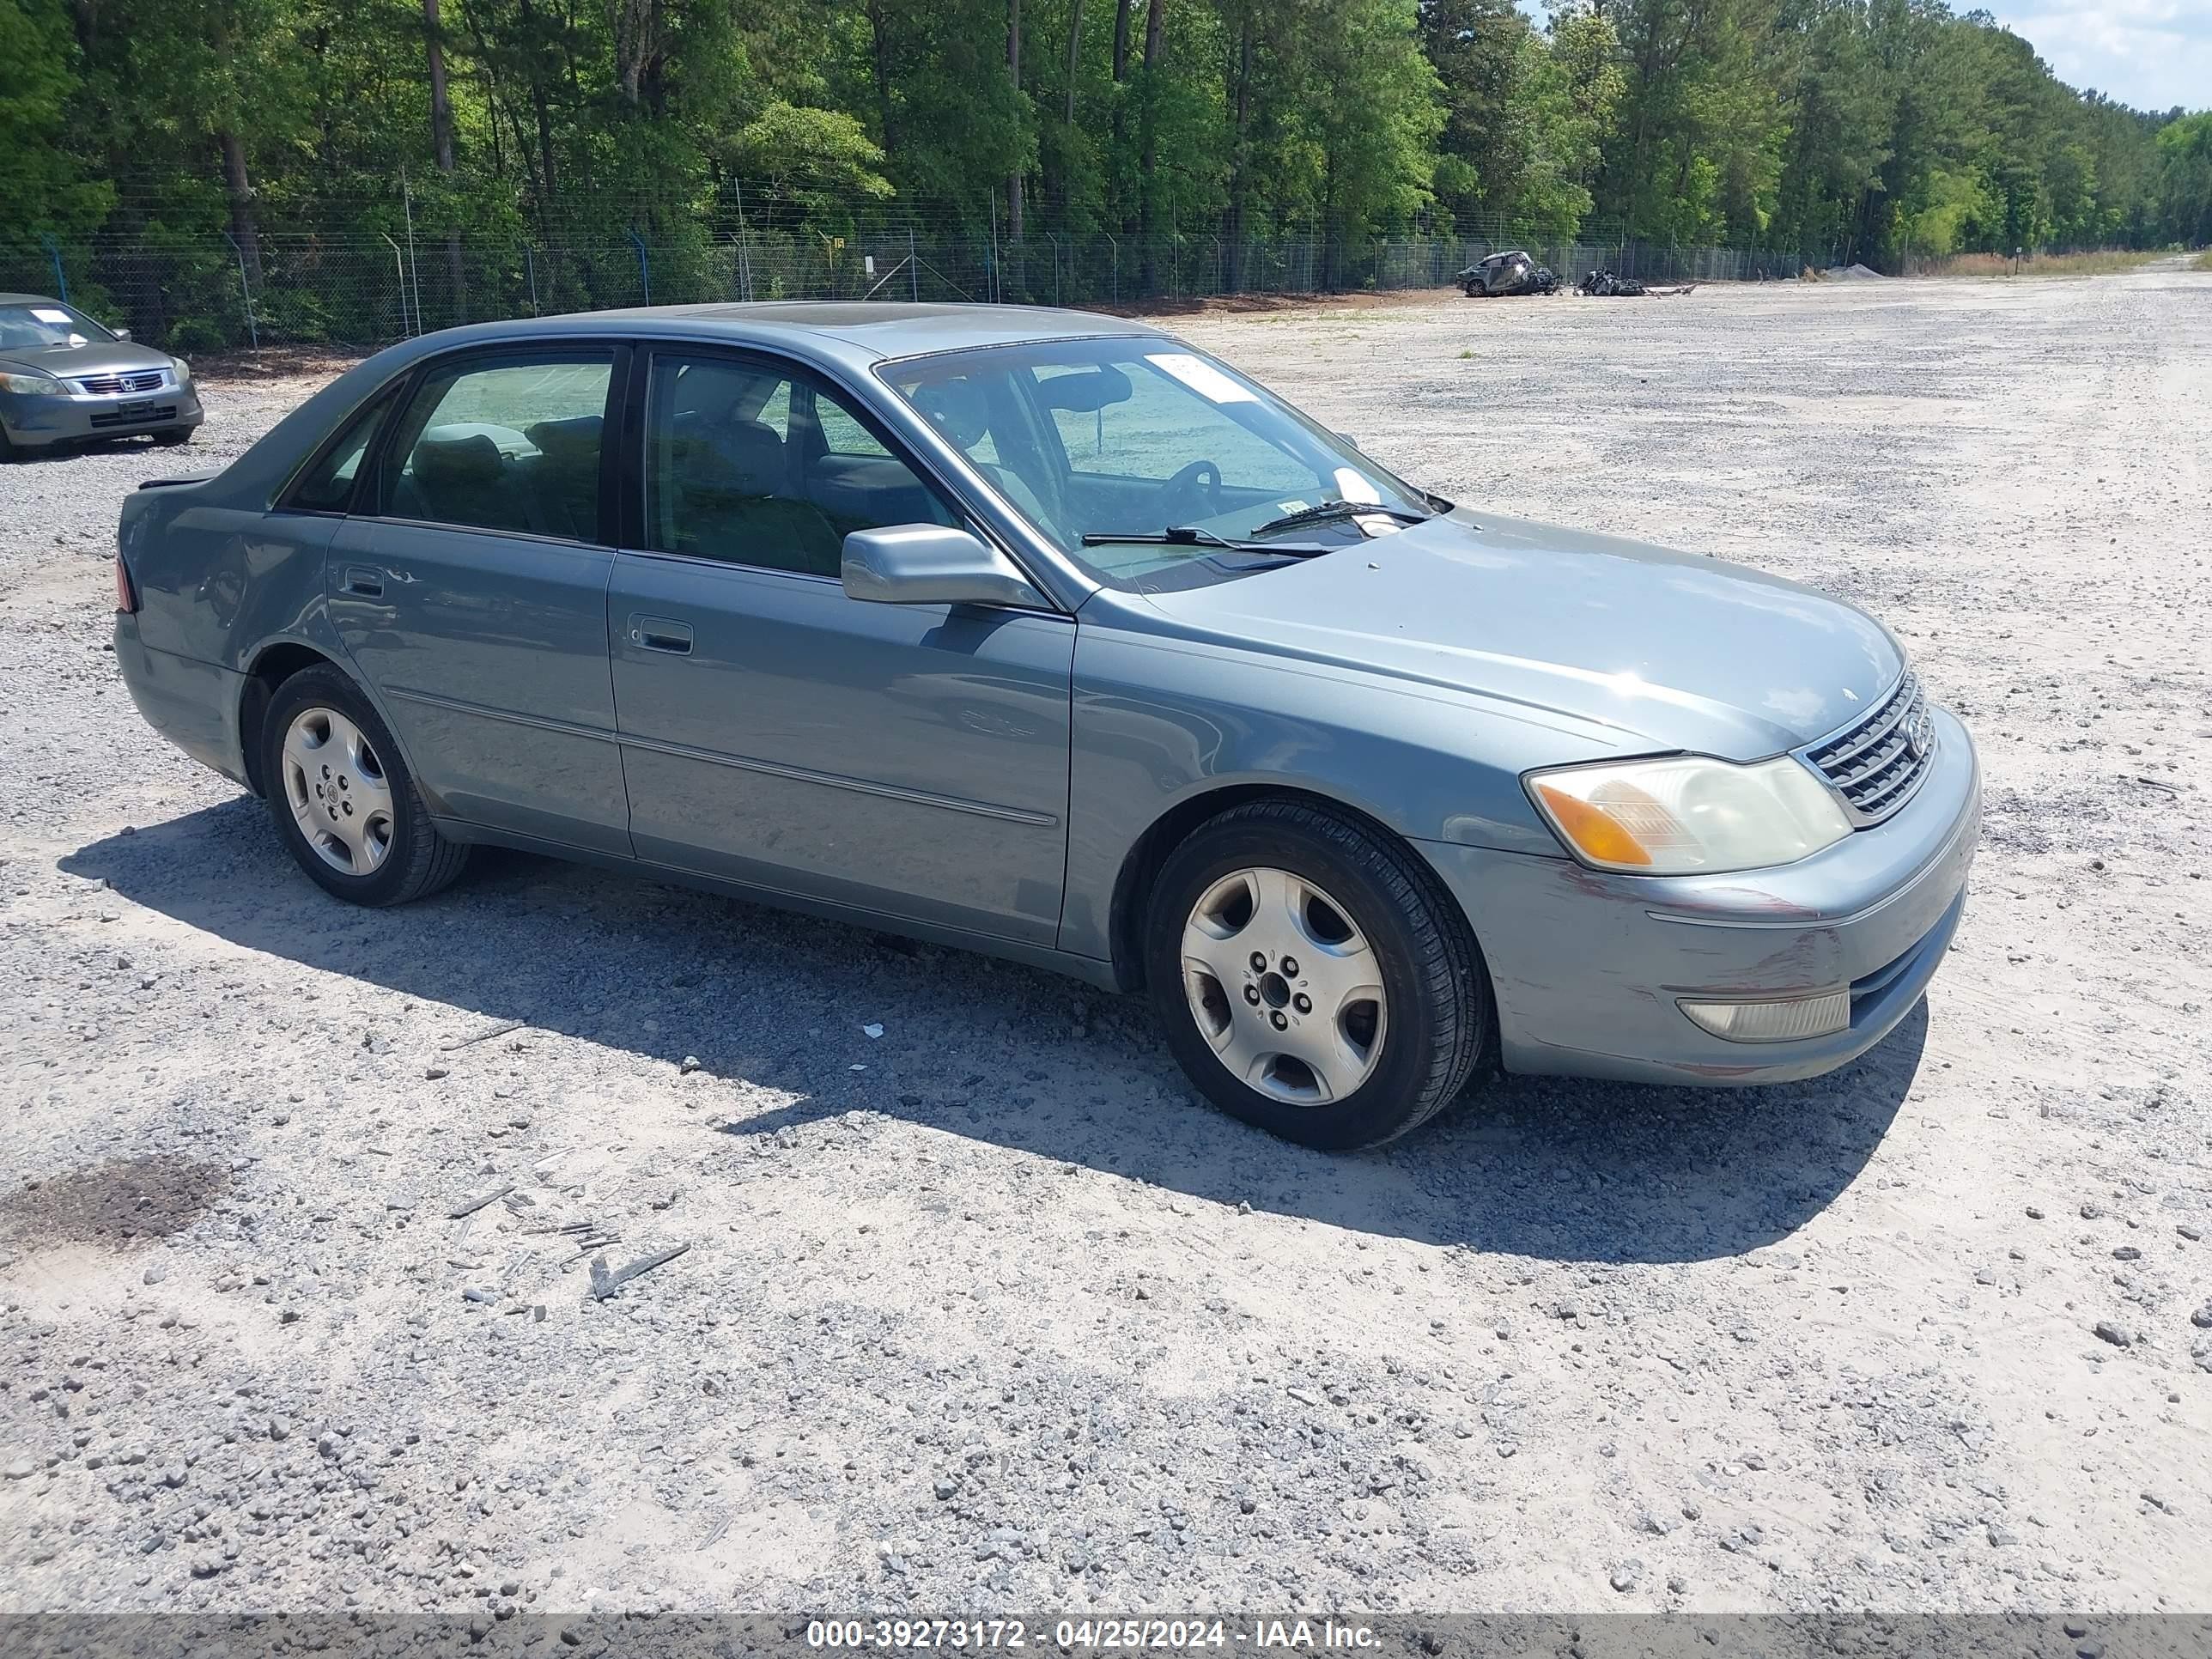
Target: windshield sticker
[[1292, 507], [1200, 377], [1351, 486], [48, 314]]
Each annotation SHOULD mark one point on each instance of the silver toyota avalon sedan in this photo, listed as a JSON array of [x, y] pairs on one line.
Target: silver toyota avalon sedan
[[65, 380], [1046, 634]]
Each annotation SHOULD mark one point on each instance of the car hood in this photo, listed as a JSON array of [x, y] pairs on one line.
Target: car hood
[[94, 357], [1670, 650]]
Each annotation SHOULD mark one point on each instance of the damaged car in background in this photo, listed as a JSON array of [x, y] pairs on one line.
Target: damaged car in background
[[1605, 285], [1504, 274]]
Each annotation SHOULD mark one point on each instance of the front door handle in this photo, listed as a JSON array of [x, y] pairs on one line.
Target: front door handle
[[360, 579], [660, 634]]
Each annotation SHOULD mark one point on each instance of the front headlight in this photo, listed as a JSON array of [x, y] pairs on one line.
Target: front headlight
[[183, 371], [1689, 815], [43, 386]]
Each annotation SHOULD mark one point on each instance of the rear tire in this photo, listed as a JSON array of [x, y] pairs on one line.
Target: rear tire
[[344, 804], [1312, 976]]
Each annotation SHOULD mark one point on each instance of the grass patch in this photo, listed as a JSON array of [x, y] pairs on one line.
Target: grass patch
[[2204, 261], [2042, 265]]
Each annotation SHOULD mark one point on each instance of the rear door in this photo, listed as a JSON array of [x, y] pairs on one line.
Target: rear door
[[904, 759], [471, 589]]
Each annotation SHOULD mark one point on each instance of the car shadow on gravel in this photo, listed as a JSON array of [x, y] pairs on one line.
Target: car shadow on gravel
[[1556, 1169]]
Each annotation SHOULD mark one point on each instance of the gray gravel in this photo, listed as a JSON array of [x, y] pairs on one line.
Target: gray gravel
[[984, 1313]]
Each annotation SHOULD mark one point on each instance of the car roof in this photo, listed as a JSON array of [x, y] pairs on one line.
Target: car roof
[[28, 299], [859, 332]]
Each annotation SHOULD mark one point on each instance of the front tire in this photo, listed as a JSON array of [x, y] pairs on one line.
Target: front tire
[[176, 438], [343, 802], [1312, 977]]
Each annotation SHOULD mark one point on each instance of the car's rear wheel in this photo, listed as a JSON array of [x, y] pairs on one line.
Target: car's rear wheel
[[1312, 976], [342, 798]]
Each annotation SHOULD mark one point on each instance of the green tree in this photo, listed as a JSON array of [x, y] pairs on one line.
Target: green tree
[[44, 189]]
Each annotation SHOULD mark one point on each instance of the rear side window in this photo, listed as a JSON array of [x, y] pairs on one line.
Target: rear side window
[[327, 486], [511, 446], [749, 464]]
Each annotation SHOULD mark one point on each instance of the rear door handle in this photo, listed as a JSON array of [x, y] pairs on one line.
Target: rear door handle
[[369, 584], [660, 634]]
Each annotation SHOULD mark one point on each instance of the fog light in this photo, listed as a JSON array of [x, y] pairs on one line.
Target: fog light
[[1774, 1022]]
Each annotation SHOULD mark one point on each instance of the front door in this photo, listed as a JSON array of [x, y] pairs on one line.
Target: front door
[[472, 594], [906, 759]]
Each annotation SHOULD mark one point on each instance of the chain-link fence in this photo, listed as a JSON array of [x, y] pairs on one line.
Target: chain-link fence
[[199, 293]]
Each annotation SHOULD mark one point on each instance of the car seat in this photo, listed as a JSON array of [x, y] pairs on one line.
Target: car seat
[[467, 481], [729, 498], [565, 479], [958, 410]]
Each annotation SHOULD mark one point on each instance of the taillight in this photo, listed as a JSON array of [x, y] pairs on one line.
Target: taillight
[[126, 595]]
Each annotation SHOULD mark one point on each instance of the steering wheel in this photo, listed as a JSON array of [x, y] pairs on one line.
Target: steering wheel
[[1193, 493]]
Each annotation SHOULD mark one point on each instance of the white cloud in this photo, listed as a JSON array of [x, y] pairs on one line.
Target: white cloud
[[2151, 54]]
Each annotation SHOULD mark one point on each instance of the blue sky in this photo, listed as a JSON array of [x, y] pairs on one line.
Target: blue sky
[[2151, 54]]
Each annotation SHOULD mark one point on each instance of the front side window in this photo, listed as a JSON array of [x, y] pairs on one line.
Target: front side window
[[1141, 438], [511, 446], [748, 463]]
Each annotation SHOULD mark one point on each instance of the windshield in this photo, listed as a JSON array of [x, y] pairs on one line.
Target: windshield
[[1143, 438], [41, 323]]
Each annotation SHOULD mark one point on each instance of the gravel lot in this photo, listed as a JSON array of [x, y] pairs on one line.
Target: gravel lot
[[985, 1313]]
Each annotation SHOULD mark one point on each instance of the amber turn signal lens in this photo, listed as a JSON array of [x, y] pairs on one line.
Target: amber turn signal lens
[[1600, 838], [126, 596]]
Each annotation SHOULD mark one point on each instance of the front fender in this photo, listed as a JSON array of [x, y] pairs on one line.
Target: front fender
[[1160, 720]]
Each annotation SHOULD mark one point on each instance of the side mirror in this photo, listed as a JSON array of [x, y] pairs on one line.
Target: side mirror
[[120, 333], [1347, 437], [930, 565]]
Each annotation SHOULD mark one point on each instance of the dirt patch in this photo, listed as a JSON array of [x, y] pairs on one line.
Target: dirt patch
[[277, 362], [1252, 305], [126, 1203]]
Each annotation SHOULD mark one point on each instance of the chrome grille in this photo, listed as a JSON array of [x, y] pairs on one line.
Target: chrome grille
[[145, 380], [1876, 764]]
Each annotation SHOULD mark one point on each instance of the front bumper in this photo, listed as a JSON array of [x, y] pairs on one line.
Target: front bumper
[[1588, 967], [35, 420]]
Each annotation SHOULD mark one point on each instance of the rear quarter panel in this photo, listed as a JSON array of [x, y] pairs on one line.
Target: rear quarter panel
[[216, 582]]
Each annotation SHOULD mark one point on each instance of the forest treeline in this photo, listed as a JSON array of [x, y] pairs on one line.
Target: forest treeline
[[1871, 128]]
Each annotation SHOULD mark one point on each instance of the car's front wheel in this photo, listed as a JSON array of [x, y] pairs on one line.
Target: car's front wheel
[[1312, 975], [340, 793]]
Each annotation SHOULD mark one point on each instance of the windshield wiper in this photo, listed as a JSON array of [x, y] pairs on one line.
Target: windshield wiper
[[1191, 535], [1175, 535], [1331, 512]]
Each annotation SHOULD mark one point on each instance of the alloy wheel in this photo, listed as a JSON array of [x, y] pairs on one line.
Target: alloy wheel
[[1283, 986], [339, 795]]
